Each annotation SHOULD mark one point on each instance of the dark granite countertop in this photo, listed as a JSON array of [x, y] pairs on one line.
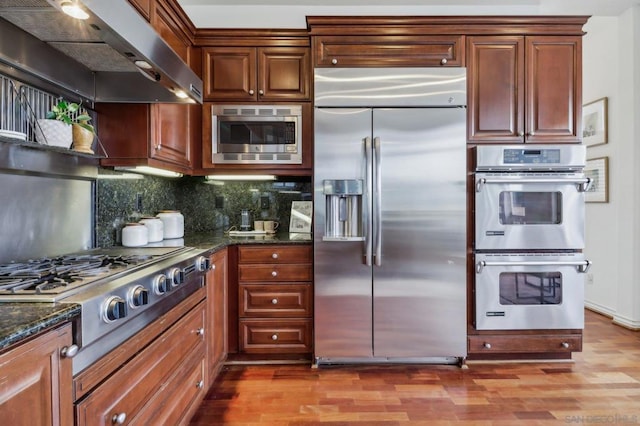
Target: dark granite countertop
[[19, 321]]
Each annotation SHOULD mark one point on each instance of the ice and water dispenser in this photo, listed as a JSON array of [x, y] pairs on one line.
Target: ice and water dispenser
[[343, 203]]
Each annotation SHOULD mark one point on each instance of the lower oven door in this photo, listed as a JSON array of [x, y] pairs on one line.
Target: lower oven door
[[523, 291], [530, 211]]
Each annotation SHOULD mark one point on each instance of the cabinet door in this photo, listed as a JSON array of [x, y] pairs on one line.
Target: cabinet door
[[167, 26], [495, 72], [230, 73], [171, 140], [216, 314], [283, 73], [36, 382], [554, 89]]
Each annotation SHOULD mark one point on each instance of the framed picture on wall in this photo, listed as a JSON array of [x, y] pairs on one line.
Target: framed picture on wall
[[595, 122], [597, 170], [301, 215]]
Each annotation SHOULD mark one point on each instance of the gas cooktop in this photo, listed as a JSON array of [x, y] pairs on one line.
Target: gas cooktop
[[50, 278]]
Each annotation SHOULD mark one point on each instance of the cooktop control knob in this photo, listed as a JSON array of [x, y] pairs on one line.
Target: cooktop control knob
[[138, 296], [160, 284], [176, 276], [114, 308], [203, 263]]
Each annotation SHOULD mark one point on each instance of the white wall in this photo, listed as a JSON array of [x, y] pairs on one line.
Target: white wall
[[611, 64]]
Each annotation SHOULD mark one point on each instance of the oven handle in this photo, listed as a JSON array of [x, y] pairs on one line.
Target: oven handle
[[582, 265], [583, 184]]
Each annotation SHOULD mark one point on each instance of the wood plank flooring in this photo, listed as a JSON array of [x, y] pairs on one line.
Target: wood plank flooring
[[602, 386]]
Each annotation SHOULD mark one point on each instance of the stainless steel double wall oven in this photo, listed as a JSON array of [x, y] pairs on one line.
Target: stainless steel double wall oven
[[529, 234]]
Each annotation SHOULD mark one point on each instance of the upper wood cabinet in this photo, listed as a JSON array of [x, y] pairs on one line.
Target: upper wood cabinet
[[143, 6], [168, 26], [388, 51], [157, 135], [36, 381], [256, 74], [524, 89]]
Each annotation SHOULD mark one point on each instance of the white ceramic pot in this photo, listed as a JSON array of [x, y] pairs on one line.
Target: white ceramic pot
[[155, 227], [173, 222], [135, 235], [53, 133]]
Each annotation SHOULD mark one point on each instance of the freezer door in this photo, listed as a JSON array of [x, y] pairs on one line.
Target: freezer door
[[342, 279], [420, 269]]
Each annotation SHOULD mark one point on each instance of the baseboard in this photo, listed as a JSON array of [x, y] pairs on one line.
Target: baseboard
[[620, 320], [626, 322], [600, 309]]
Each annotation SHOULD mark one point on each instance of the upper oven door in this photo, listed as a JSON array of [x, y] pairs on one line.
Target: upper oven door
[[524, 291], [530, 211]]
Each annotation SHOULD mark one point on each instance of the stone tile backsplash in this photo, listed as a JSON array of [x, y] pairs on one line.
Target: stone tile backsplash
[[205, 206]]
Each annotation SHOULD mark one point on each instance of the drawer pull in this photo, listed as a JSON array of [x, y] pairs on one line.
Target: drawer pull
[[274, 255], [444, 61], [565, 345], [487, 345], [69, 351], [274, 337], [200, 331], [200, 384], [119, 419], [274, 301], [274, 273]]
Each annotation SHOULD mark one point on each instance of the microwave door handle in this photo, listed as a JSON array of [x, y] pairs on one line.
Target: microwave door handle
[[368, 206], [583, 183], [582, 265]]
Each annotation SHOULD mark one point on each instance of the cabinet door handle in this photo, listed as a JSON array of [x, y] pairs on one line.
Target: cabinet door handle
[[200, 331], [487, 345], [274, 337], [521, 133], [119, 419], [200, 384], [158, 147], [274, 301], [274, 273], [260, 92], [565, 345], [69, 351], [274, 255], [251, 92], [444, 61], [334, 61]]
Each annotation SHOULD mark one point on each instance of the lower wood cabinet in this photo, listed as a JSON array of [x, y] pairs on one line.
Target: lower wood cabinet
[[216, 330], [523, 344], [162, 383], [35, 381], [275, 299]]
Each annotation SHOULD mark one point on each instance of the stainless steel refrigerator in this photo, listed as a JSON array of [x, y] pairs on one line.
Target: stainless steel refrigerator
[[390, 215]]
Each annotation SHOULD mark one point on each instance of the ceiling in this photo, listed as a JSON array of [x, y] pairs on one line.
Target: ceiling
[[292, 13]]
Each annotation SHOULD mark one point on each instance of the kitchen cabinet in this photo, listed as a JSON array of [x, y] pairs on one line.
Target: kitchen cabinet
[[216, 314], [157, 135], [243, 73], [388, 51], [275, 299], [156, 377], [168, 25], [143, 7], [524, 89], [36, 380]]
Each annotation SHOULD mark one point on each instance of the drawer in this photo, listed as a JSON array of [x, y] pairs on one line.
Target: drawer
[[273, 300], [275, 272], [275, 336], [388, 51], [131, 387], [524, 343], [275, 254]]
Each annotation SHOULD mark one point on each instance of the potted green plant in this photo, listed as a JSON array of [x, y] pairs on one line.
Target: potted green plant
[[66, 123]]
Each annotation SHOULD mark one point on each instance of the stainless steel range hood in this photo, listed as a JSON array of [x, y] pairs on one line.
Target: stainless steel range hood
[[94, 58]]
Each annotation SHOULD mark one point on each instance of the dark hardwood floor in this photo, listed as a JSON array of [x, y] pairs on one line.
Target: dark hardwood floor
[[601, 386]]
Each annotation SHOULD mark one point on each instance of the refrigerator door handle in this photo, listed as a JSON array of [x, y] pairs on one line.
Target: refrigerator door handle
[[377, 220], [368, 213]]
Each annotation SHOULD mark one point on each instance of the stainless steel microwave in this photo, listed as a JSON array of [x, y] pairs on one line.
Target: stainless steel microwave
[[256, 134]]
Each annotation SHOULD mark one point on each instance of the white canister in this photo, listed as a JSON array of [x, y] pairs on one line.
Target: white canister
[[135, 235], [173, 223], [155, 227]]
